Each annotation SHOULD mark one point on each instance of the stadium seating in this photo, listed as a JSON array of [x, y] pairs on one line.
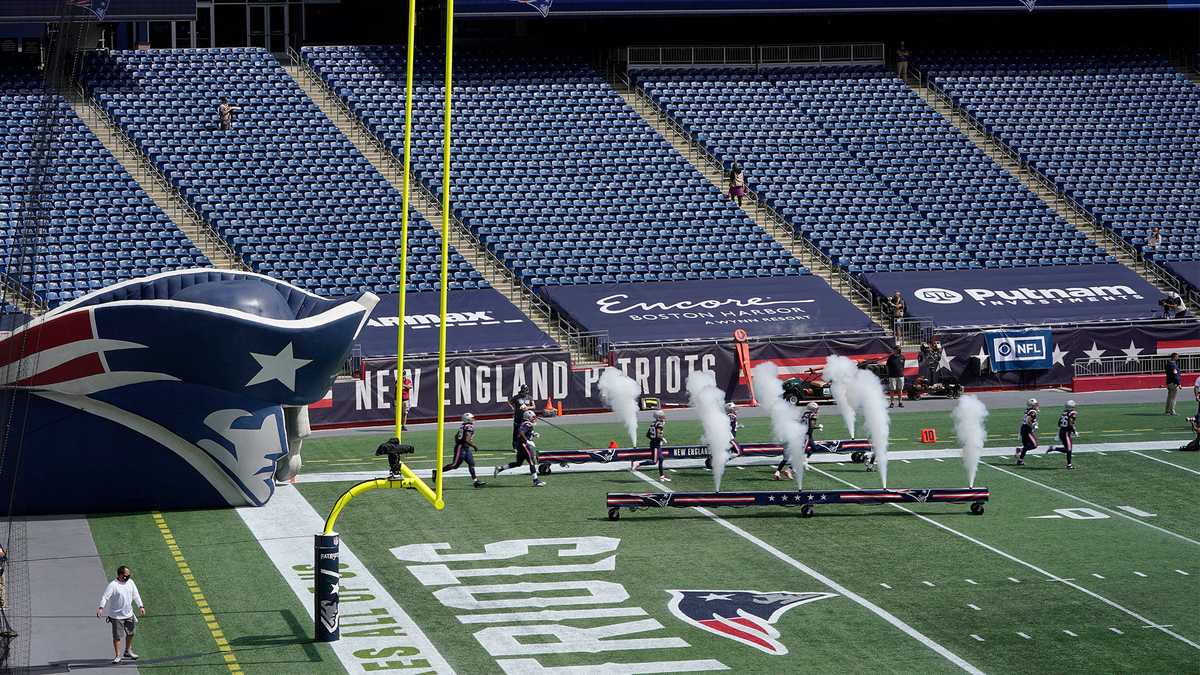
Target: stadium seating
[[284, 186], [554, 172], [98, 226], [1117, 131], [866, 170]]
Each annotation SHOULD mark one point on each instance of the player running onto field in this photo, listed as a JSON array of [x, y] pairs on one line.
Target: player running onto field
[[735, 450], [526, 450], [657, 439], [1066, 432], [1029, 425], [464, 444], [809, 420]]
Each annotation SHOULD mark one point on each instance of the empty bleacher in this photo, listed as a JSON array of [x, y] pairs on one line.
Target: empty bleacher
[[284, 187], [866, 170], [92, 225], [1119, 132], [554, 172]]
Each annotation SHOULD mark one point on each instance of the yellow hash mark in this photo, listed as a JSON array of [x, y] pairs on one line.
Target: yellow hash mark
[[185, 571]]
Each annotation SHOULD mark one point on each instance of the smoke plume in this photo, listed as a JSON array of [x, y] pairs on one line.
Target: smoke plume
[[785, 417], [620, 393], [841, 372], [868, 390], [709, 403], [969, 425]]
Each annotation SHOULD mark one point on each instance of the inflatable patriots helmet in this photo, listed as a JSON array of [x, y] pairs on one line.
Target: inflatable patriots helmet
[[176, 390]]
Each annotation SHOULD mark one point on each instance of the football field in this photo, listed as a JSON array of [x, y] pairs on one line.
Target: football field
[[1096, 569]]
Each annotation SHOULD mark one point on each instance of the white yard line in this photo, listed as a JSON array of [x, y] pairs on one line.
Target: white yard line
[[285, 528], [842, 590], [1092, 504], [1030, 565], [1161, 461]]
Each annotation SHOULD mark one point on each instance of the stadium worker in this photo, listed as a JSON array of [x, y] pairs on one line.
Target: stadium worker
[[406, 388], [1172, 306], [116, 606], [902, 61], [809, 420], [1066, 432], [464, 444], [1029, 425], [1173, 381], [526, 449], [895, 372]]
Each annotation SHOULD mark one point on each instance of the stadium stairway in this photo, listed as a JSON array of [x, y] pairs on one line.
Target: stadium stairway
[[582, 347], [154, 182], [1041, 186], [765, 217]]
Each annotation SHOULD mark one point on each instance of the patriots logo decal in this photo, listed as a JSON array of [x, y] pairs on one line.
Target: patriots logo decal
[[745, 616]]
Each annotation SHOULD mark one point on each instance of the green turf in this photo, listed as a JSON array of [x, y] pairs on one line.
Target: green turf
[[861, 548], [1098, 423], [268, 628]]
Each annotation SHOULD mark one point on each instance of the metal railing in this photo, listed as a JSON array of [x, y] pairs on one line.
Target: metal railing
[[1061, 198], [585, 344], [1150, 364], [147, 172], [913, 330], [753, 56]]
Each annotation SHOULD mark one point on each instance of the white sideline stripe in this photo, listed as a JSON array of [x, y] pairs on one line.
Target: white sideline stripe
[[1126, 516], [1118, 631], [1182, 572], [1069, 633], [1023, 635], [1163, 461], [902, 455], [285, 528], [1031, 566], [875, 609], [972, 582]]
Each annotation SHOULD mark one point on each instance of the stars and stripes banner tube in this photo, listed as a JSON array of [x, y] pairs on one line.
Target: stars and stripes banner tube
[[805, 499], [167, 391], [856, 448]]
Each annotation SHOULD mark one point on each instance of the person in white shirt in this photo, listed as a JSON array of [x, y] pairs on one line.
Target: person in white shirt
[[116, 606]]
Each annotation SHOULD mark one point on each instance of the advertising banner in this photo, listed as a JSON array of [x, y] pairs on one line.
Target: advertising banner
[[1020, 350], [601, 7], [1188, 270], [709, 309], [481, 384], [1025, 296], [482, 320]]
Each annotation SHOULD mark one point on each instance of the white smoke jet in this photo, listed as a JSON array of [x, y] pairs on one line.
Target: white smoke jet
[[869, 392], [840, 372], [969, 417], [785, 417], [620, 393], [709, 403]]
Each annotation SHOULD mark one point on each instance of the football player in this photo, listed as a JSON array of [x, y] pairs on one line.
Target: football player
[[1029, 425], [464, 444], [735, 450], [1066, 432], [809, 419], [521, 403], [657, 439], [526, 449]]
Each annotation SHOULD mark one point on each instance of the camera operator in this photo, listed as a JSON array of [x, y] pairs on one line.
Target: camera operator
[[1194, 446], [1172, 306]]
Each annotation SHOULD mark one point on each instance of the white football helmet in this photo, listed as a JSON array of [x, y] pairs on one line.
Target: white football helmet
[[1070, 405], [530, 416], [1032, 403], [813, 406], [659, 415], [730, 406], [468, 417]]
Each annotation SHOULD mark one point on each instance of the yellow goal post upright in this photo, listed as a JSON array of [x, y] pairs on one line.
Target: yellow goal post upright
[[327, 575]]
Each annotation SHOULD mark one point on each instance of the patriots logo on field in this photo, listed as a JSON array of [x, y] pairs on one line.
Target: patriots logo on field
[[745, 616]]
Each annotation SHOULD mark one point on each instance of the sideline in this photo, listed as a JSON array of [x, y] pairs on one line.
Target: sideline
[[1052, 577], [377, 634], [851, 595], [1163, 461]]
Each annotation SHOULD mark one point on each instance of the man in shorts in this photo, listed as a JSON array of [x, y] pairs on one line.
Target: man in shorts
[[895, 372], [116, 606]]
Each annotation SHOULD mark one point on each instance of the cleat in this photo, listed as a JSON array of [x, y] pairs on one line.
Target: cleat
[[901, 404], [1020, 462], [775, 476], [1070, 466], [787, 473], [478, 483], [538, 483], [891, 404], [130, 655], [664, 478], [116, 659], [496, 470], [433, 476]]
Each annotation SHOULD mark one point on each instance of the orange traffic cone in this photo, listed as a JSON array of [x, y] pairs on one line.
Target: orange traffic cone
[[549, 408], [612, 445], [560, 409]]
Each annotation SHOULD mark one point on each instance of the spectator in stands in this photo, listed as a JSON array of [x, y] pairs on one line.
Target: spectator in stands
[[897, 306], [895, 371], [1155, 238], [116, 606], [737, 183], [225, 112], [1172, 305], [406, 402], [902, 61], [1172, 371]]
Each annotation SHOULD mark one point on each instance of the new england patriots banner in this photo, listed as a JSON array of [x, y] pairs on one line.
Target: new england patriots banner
[[168, 391], [603, 7], [1020, 350], [711, 309], [1024, 296], [98, 8], [479, 321]]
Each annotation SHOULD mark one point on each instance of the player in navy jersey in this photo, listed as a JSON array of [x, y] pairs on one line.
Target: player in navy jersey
[[526, 449], [1066, 432], [735, 450], [1029, 425], [521, 403], [655, 434], [464, 444], [809, 419]]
